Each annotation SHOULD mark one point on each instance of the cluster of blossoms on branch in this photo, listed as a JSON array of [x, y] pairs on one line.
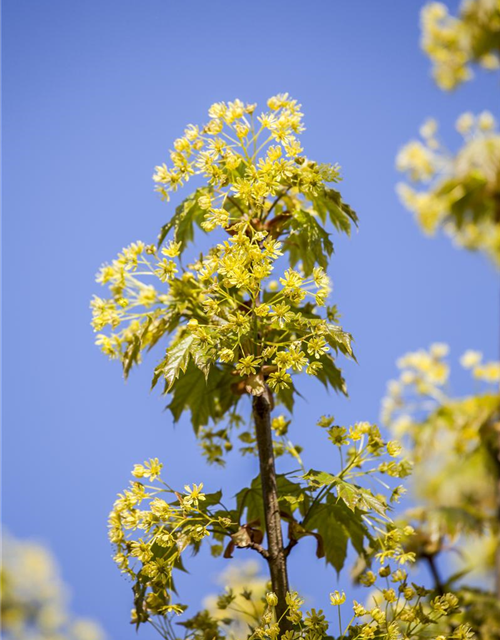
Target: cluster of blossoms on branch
[[232, 326], [453, 441], [226, 151], [223, 297], [460, 192], [455, 43], [421, 388], [397, 610], [152, 526]]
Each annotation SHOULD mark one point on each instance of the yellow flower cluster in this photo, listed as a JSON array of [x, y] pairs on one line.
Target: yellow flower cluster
[[453, 441], [246, 609], [459, 193], [401, 610], [231, 317], [364, 455], [450, 438], [454, 43], [227, 151], [365, 445], [398, 611], [421, 388], [150, 527], [309, 626], [224, 316]]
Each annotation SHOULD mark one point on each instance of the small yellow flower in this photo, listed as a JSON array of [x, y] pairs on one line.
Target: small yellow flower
[[273, 285], [279, 380], [389, 595], [262, 310], [429, 128], [193, 496], [248, 365], [358, 609], [226, 355], [394, 448], [150, 469], [417, 160], [165, 269], [280, 425], [172, 250], [317, 346], [205, 202], [271, 599], [337, 598], [486, 121]]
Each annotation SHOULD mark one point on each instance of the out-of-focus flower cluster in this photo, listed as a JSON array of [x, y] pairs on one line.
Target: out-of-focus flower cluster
[[455, 43], [243, 600], [34, 598], [454, 442], [421, 390], [459, 193]]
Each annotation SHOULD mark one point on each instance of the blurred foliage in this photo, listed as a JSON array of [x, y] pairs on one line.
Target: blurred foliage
[[459, 192], [242, 603], [455, 43], [454, 442], [34, 603]]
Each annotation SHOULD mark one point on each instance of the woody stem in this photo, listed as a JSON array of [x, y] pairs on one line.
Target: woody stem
[[277, 555]]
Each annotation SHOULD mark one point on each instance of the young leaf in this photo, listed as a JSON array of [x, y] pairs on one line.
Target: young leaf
[[337, 524], [308, 242], [186, 215], [250, 499], [329, 201], [177, 360], [330, 374], [340, 340], [194, 392], [333, 533], [319, 479]]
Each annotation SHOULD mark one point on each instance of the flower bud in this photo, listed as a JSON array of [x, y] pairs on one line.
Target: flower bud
[[337, 598], [271, 599]]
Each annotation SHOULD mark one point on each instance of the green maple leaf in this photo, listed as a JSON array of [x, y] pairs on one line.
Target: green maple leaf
[[186, 215], [177, 360]]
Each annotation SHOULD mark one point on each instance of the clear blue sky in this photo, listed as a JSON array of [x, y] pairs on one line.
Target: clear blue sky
[[94, 94]]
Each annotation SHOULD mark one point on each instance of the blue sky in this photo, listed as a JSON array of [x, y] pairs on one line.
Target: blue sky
[[94, 94]]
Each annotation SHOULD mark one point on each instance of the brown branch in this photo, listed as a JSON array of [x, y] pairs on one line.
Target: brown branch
[[282, 195], [292, 543], [438, 584], [277, 557], [259, 548]]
